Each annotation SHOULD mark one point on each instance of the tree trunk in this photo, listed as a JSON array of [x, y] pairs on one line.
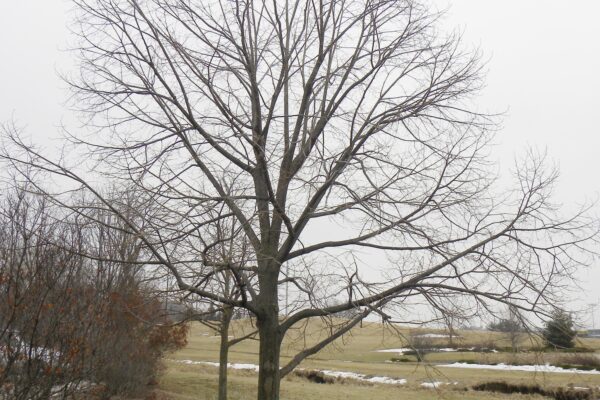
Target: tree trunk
[[270, 338], [224, 352], [270, 346]]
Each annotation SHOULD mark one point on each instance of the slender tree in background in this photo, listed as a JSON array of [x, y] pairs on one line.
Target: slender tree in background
[[512, 325], [342, 138], [226, 251]]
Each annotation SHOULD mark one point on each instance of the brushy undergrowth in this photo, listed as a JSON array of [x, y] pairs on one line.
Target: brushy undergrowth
[[314, 376], [556, 394], [586, 362]]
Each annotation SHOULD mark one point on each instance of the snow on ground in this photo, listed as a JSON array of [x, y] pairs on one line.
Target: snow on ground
[[361, 377], [400, 350], [58, 391], [24, 349], [436, 384], [435, 336], [334, 374], [251, 367], [405, 349], [526, 368]]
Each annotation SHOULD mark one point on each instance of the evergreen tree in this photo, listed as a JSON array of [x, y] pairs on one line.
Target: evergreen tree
[[559, 332]]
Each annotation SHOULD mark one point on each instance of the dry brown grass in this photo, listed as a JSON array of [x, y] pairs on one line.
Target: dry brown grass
[[356, 353], [198, 383]]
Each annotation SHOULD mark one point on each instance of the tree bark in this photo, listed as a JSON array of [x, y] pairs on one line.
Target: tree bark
[[224, 351], [270, 339], [270, 346]]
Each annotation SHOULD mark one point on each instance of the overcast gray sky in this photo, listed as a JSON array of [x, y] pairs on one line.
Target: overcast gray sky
[[543, 70]]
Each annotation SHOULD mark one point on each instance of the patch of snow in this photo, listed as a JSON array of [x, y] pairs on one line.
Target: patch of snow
[[404, 349], [241, 366], [191, 362], [526, 368], [22, 348], [435, 336], [340, 374], [361, 377], [436, 384], [331, 373], [386, 380], [57, 391], [400, 350]]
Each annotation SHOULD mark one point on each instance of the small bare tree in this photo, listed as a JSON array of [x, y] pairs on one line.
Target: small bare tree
[[420, 344], [513, 326], [294, 118], [227, 252]]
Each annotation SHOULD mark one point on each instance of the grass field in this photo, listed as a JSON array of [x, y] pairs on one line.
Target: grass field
[[357, 353]]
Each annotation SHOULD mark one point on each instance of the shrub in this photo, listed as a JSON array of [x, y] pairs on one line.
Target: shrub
[[512, 326], [131, 337], [68, 322], [570, 394], [508, 388], [579, 361], [559, 332], [420, 346], [506, 326], [556, 394], [66, 335], [314, 376], [400, 359], [573, 350], [578, 350]]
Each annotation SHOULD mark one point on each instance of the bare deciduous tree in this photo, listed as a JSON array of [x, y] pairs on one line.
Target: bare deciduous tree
[[226, 252], [295, 119], [513, 326]]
